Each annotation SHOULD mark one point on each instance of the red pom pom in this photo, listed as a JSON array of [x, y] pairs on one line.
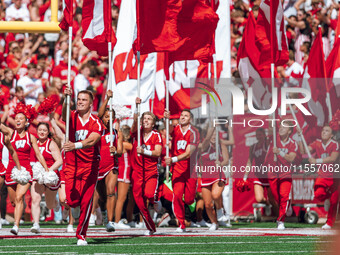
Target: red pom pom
[[27, 110], [243, 186], [49, 105]]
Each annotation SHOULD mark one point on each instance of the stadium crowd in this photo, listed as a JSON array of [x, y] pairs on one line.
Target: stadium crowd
[[34, 67]]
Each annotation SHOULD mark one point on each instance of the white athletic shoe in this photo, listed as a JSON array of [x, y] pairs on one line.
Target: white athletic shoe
[[4, 222], [224, 224], [280, 225], [70, 229], [75, 212], [21, 221], [36, 228], [157, 206], [110, 226], [181, 230], [149, 233], [15, 230], [327, 205], [326, 227], [203, 223], [194, 225], [131, 224], [121, 225], [140, 225], [164, 221], [92, 221], [213, 227], [81, 242]]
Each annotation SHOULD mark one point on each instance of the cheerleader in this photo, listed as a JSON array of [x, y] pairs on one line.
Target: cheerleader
[[23, 142], [108, 166], [51, 153], [124, 180], [213, 182]]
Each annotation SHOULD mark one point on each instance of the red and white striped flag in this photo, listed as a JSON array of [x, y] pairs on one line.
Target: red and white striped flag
[[125, 62], [271, 36], [97, 26]]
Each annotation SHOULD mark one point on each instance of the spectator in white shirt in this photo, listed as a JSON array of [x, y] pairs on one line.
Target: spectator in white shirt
[[32, 86], [81, 81], [17, 12]]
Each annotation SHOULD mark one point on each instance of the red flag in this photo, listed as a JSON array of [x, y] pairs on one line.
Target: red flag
[[337, 31], [97, 26], [271, 34], [67, 20], [315, 81], [157, 25], [197, 22], [251, 72], [333, 73]]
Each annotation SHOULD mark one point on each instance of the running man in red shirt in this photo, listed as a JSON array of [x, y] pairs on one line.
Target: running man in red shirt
[[280, 181], [185, 140], [82, 160], [326, 187], [144, 160]]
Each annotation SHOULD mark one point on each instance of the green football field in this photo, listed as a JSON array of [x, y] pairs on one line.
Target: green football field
[[243, 238]]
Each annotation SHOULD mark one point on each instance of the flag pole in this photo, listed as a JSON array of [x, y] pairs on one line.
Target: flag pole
[[68, 97], [110, 88], [138, 73], [301, 134], [272, 68], [110, 75], [167, 123]]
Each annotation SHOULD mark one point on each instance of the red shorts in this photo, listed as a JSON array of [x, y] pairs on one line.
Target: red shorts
[[264, 182], [124, 169], [9, 181]]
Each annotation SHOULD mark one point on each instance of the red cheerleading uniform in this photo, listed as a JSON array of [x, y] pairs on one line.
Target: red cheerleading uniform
[[259, 155], [47, 155], [124, 168], [145, 175], [2, 144], [208, 159], [23, 147], [326, 187], [281, 183], [182, 183], [81, 169], [107, 162]]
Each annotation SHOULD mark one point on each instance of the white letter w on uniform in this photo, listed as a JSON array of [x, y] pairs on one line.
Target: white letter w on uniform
[[81, 135]]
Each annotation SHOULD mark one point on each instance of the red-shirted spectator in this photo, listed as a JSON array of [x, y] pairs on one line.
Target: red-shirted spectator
[[61, 69]]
